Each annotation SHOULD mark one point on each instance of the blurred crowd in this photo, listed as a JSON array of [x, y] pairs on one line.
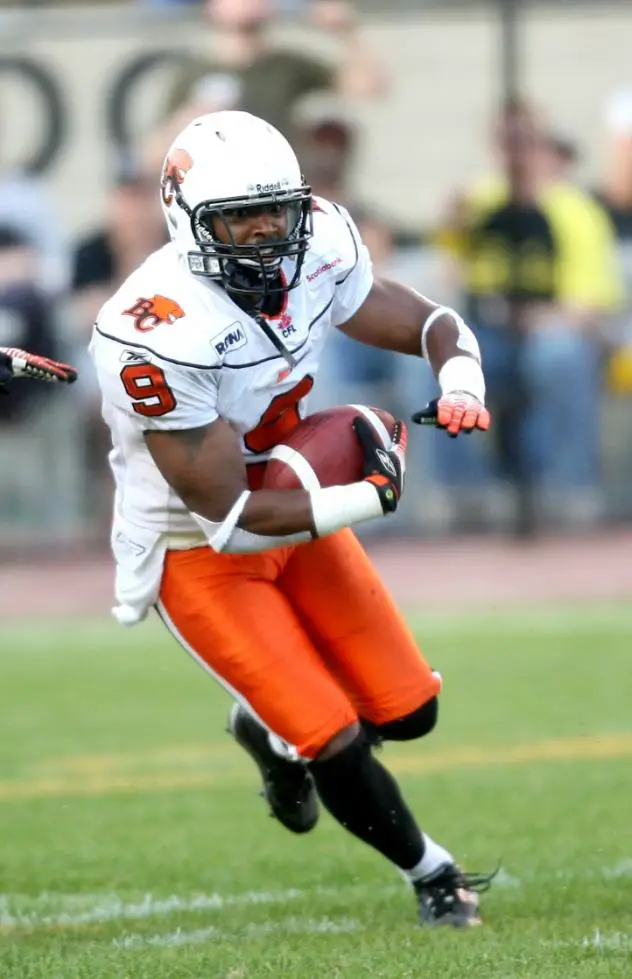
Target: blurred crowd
[[539, 265]]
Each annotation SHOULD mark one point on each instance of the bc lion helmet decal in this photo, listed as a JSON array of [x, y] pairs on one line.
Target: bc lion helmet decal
[[176, 167]]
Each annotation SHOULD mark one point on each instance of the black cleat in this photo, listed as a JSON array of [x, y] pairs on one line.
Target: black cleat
[[450, 897], [288, 786]]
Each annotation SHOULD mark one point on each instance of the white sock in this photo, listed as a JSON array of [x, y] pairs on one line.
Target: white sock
[[435, 856]]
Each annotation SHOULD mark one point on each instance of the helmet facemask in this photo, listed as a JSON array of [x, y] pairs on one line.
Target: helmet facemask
[[251, 273]]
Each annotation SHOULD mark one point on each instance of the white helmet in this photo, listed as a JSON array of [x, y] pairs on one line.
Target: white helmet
[[226, 162]]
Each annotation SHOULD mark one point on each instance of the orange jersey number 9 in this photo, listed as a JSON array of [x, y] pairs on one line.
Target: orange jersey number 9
[[279, 418], [147, 387]]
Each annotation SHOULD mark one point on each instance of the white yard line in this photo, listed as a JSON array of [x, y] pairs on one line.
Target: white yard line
[[114, 908], [51, 909], [18, 911], [295, 926], [618, 941], [621, 869]]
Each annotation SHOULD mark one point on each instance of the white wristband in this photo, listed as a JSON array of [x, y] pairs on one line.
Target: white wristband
[[462, 374], [222, 535], [466, 341], [342, 506], [333, 508], [245, 542], [439, 311]]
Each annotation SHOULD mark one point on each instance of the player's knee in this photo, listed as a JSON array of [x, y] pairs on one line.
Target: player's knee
[[417, 724], [339, 743], [344, 758]]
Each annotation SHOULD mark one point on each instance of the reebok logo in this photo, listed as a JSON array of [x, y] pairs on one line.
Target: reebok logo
[[131, 357], [387, 462]]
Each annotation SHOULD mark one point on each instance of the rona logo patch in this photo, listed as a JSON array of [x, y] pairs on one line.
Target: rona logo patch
[[232, 338]]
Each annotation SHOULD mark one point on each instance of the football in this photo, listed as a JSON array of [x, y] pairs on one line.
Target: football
[[323, 450]]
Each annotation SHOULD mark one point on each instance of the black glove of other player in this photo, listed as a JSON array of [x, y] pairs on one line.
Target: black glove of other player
[[21, 363]]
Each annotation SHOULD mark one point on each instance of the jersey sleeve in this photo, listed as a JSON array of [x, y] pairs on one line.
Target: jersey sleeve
[[155, 393], [355, 278]]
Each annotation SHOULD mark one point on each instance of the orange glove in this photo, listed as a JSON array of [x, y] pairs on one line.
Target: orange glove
[[455, 412]]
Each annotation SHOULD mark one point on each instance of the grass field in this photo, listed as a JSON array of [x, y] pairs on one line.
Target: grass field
[[133, 844]]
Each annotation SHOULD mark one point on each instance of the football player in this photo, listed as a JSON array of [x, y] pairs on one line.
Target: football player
[[205, 357], [20, 363]]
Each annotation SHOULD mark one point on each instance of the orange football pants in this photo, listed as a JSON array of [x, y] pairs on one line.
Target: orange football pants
[[307, 635]]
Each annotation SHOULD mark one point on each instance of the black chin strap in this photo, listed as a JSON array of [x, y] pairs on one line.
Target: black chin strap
[[275, 339], [245, 277], [242, 276]]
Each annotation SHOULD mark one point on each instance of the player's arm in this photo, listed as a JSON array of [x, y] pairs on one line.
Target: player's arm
[[397, 318], [206, 469], [173, 407]]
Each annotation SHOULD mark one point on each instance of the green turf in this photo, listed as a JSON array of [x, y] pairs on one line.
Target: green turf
[[133, 845]]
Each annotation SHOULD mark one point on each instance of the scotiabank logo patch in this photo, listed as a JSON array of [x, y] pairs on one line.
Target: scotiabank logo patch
[[323, 268], [232, 338]]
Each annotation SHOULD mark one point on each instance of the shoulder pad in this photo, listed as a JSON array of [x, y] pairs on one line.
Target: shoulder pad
[[187, 322], [336, 242]]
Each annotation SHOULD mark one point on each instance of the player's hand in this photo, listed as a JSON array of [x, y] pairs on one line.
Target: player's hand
[[383, 468], [455, 412], [20, 363]]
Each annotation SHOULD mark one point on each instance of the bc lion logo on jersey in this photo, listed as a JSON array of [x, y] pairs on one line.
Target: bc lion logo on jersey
[[149, 313], [176, 167]]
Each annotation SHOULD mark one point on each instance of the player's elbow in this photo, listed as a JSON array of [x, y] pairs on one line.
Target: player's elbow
[[215, 508], [219, 525]]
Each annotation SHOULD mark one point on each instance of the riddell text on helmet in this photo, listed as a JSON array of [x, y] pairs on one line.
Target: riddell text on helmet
[[268, 188]]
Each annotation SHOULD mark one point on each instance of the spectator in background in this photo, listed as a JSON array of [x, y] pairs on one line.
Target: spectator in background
[[563, 155], [614, 190], [27, 319], [133, 228], [328, 141], [329, 144], [245, 69], [25, 208], [537, 263], [352, 372]]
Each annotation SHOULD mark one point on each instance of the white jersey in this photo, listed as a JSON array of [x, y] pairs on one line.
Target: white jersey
[[173, 351]]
